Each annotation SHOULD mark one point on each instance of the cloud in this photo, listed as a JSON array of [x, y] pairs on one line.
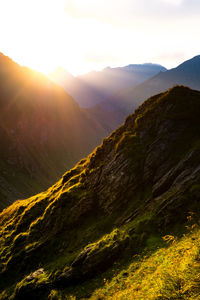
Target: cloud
[[125, 12]]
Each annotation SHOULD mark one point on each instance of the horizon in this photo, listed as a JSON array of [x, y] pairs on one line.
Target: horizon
[[83, 36], [58, 68]]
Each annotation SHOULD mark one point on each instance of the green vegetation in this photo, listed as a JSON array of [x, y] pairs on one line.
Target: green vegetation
[[169, 273]]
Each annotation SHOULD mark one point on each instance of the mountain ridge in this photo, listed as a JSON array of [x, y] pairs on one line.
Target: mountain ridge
[[111, 205], [123, 102], [164, 80], [95, 86]]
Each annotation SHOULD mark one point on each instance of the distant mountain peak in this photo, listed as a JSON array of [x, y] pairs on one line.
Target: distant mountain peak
[[193, 59], [132, 66], [196, 57], [191, 62]]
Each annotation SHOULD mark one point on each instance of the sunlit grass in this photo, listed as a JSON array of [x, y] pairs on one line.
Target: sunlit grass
[[169, 273]]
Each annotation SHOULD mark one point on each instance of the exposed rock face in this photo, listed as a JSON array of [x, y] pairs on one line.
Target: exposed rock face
[[143, 179]]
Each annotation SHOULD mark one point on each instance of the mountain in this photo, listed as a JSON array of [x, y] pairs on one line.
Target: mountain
[[43, 132], [98, 232], [126, 100], [83, 93], [94, 87]]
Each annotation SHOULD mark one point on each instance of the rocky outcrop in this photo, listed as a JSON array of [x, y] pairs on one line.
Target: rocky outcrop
[[94, 258]]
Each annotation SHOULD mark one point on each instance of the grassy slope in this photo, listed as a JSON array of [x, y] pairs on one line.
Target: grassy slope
[[169, 273], [56, 228]]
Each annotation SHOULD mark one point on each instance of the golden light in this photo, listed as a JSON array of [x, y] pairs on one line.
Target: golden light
[[44, 34], [84, 35], [39, 34]]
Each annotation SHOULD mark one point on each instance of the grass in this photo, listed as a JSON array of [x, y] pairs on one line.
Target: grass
[[169, 273]]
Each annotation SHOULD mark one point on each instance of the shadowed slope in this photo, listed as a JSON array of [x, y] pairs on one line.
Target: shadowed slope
[[43, 131]]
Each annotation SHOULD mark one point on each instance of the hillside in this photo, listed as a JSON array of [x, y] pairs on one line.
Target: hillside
[[110, 213], [43, 132], [94, 87], [125, 101]]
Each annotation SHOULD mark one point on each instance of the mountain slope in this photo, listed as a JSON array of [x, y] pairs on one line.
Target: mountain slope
[[94, 87], [187, 74], [43, 132], [139, 185]]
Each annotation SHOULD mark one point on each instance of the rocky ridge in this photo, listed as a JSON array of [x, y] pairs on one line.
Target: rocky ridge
[[141, 182]]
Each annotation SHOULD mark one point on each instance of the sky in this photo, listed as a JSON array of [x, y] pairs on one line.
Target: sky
[[85, 35]]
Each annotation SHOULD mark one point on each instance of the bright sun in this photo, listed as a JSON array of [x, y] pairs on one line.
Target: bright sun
[[46, 34], [40, 34]]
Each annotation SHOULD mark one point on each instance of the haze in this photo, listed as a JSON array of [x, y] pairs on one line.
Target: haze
[[84, 35]]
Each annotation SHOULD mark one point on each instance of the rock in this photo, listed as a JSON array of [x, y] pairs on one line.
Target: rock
[[34, 274]]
